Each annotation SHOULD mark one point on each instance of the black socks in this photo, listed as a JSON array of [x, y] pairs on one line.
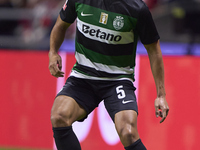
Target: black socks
[[66, 139], [138, 145]]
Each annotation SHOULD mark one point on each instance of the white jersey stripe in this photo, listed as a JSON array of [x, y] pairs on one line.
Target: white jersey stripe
[[83, 76]]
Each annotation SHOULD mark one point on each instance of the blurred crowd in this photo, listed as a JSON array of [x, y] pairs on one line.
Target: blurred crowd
[[40, 22], [34, 23], [32, 20]]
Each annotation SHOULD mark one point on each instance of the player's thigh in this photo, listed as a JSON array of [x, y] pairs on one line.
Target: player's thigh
[[120, 96], [126, 120], [67, 109], [126, 117]]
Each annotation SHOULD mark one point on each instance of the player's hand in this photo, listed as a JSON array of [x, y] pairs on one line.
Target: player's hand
[[55, 65], [161, 108]]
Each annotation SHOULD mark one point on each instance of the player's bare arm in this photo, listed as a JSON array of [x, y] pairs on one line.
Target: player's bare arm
[[56, 39], [157, 67]]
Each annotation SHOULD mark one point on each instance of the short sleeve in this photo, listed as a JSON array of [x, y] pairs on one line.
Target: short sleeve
[[68, 12], [146, 27]]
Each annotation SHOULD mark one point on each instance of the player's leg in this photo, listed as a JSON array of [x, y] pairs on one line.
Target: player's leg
[[64, 112], [121, 104], [74, 102], [126, 126]]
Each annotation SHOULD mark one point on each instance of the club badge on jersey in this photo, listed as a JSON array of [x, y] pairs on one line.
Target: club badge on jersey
[[118, 22], [65, 5]]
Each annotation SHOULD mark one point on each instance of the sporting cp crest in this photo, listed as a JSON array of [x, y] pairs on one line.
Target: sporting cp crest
[[118, 22]]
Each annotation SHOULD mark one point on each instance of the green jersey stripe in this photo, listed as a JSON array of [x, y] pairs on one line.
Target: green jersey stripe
[[119, 61]]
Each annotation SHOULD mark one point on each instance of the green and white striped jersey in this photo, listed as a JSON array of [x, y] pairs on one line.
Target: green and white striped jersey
[[106, 36]]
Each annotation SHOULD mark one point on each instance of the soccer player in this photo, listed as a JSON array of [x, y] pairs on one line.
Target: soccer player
[[106, 39]]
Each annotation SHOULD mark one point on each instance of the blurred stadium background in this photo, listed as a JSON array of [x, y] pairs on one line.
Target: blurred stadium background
[[28, 90]]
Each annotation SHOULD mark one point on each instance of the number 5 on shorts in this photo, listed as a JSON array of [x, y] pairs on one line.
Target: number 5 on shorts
[[120, 92]]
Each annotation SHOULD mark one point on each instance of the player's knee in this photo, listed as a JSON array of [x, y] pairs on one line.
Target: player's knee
[[60, 119], [128, 133]]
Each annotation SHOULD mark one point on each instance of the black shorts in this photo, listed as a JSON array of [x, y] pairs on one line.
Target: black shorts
[[117, 95]]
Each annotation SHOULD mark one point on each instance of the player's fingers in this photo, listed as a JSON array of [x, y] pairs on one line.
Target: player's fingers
[[57, 68], [157, 111], [163, 118], [59, 74], [167, 111], [55, 71], [164, 114], [60, 64], [52, 70], [160, 113]]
